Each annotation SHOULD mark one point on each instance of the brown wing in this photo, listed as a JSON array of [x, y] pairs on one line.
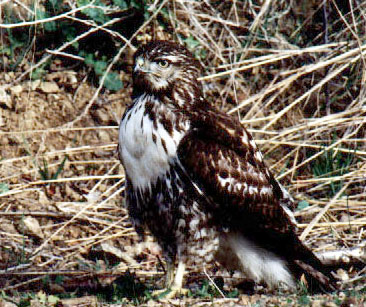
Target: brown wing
[[241, 194], [221, 158]]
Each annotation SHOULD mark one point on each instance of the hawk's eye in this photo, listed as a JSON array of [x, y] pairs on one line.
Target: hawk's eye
[[163, 63]]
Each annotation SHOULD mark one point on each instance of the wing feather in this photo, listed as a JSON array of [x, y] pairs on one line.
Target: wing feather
[[224, 164], [222, 159]]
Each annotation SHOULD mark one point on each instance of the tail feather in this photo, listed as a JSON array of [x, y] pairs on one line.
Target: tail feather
[[315, 278], [275, 265], [305, 262]]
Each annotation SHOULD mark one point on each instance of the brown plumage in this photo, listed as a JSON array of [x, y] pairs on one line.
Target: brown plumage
[[197, 181]]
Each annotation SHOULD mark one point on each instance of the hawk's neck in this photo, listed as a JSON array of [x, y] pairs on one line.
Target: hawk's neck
[[184, 95]]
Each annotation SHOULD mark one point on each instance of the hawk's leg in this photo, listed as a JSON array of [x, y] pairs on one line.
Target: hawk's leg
[[169, 278], [174, 282]]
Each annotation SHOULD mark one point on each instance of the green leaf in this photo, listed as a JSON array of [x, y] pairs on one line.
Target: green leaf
[[59, 279], [121, 4], [60, 168], [88, 58], [113, 82], [233, 294], [50, 26], [43, 172], [95, 13], [195, 46], [302, 205], [54, 3], [5, 50], [40, 14], [3, 187], [52, 299], [42, 297], [100, 67], [54, 6], [304, 300], [191, 42], [40, 71], [70, 33]]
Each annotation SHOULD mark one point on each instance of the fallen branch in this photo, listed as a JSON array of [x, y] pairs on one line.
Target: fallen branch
[[348, 256]]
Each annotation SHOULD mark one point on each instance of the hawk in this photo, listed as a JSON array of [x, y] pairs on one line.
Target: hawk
[[197, 181]]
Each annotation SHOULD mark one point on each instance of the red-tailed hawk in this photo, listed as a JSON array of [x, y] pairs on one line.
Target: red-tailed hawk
[[196, 179]]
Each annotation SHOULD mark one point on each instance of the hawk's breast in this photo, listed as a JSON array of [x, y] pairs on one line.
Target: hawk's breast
[[146, 147]]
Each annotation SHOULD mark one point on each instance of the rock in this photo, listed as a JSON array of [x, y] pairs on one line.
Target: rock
[[317, 303], [49, 87], [32, 227], [80, 301], [8, 228], [5, 98], [4, 303], [32, 85], [2, 121], [111, 250], [342, 275], [16, 90]]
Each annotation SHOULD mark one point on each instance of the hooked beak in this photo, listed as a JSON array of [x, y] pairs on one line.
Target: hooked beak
[[141, 66]]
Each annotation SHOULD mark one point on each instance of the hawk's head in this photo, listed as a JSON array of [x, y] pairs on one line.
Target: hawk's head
[[159, 65]]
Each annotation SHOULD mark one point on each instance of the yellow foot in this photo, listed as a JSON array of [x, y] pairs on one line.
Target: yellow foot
[[169, 293]]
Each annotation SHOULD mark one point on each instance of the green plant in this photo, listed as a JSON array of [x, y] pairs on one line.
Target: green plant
[[333, 163], [232, 294], [195, 46], [302, 205], [206, 290], [3, 188], [18, 42], [40, 71], [96, 13], [54, 33], [25, 300], [127, 287], [303, 294], [304, 300], [111, 81], [46, 300], [46, 175]]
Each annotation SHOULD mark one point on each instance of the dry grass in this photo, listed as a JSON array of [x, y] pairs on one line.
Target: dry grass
[[300, 91]]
